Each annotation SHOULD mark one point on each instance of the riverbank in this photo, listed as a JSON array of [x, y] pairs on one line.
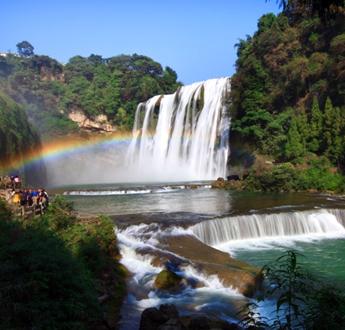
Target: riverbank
[[59, 271], [309, 175]]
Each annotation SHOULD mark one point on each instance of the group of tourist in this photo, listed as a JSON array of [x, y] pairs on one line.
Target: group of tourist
[[33, 200], [36, 199], [13, 182]]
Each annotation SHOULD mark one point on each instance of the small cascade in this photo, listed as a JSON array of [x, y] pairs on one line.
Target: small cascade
[[183, 136], [317, 222], [339, 214]]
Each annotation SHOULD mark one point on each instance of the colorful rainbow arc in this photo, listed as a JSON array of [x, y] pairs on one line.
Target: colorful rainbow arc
[[62, 147]]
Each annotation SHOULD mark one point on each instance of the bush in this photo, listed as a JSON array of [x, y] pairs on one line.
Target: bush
[[54, 268], [316, 174], [42, 285], [279, 178]]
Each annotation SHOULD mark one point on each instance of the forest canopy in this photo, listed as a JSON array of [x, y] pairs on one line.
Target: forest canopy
[[288, 92], [49, 90]]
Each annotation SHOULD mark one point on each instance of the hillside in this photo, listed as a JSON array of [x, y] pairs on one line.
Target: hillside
[[59, 271], [97, 93], [17, 137], [288, 92]]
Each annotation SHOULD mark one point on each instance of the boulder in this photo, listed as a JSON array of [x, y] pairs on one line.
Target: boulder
[[153, 318], [172, 324], [233, 177], [207, 323], [231, 272], [167, 280], [167, 318]]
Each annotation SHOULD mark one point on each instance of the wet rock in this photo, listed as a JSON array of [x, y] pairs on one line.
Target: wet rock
[[233, 177], [206, 323], [154, 319], [151, 319], [233, 273], [167, 280], [172, 324], [169, 310], [167, 318]]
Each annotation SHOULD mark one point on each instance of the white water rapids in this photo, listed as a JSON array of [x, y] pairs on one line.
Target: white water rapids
[[182, 136], [280, 227], [228, 233]]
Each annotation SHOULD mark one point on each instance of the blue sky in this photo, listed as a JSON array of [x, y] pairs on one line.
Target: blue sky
[[195, 38]]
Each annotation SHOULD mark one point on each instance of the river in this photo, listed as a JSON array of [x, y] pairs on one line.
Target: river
[[253, 227]]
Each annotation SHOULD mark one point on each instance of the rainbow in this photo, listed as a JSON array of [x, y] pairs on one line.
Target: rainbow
[[63, 147]]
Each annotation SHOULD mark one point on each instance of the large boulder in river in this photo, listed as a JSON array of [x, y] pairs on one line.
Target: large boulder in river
[[207, 323], [234, 273], [167, 318], [168, 280]]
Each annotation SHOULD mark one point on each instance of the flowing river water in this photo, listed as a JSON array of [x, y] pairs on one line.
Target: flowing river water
[[197, 231], [154, 221]]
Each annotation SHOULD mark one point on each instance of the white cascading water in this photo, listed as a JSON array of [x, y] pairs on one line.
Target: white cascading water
[[182, 136], [260, 226]]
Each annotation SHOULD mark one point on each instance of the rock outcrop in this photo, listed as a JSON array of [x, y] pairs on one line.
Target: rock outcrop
[[168, 280], [99, 123], [233, 273], [166, 317], [234, 184]]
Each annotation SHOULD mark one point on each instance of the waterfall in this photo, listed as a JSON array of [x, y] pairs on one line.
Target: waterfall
[[316, 222], [182, 136]]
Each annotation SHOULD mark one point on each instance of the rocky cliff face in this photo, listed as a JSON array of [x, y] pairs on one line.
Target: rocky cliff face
[[99, 123]]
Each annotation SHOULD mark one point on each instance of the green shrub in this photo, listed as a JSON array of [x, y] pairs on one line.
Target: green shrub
[[42, 285], [316, 174], [5, 213], [279, 178], [52, 270]]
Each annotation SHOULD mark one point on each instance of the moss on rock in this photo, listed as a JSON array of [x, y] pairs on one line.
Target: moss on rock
[[167, 280]]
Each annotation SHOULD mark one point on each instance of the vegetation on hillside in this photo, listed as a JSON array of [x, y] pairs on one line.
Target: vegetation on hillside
[[288, 93], [59, 272], [306, 174], [49, 90], [16, 134], [17, 138]]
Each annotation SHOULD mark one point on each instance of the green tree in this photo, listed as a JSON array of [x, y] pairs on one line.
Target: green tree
[[332, 140], [265, 22], [303, 129], [294, 147], [25, 49], [121, 117], [315, 127]]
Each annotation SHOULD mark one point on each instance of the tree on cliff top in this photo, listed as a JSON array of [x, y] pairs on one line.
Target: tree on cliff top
[[324, 8], [25, 49]]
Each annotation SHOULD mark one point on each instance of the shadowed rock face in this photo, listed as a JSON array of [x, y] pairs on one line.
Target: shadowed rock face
[[233, 273], [167, 318]]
